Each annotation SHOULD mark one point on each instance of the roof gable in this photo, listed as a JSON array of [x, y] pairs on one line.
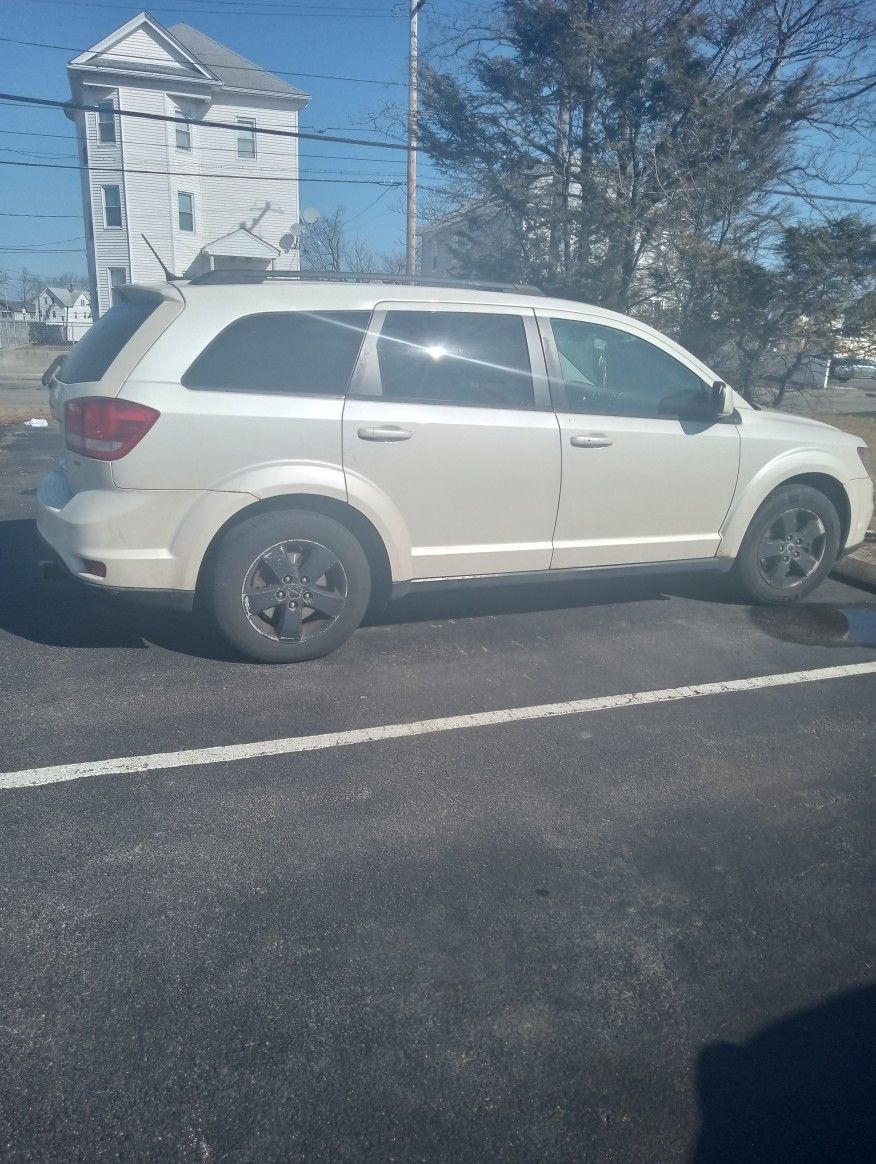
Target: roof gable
[[143, 45], [62, 295]]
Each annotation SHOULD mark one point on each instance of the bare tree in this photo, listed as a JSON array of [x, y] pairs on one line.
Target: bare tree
[[322, 244], [27, 285], [70, 279], [325, 246]]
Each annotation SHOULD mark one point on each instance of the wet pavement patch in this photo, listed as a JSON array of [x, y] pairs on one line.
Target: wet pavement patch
[[820, 624]]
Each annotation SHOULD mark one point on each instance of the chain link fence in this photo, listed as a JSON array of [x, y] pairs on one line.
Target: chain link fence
[[14, 332]]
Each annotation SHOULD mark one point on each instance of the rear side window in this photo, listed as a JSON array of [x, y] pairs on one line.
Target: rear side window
[[103, 341], [301, 353], [455, 357]]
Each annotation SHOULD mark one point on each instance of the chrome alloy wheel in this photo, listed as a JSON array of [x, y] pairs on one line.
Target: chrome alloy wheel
[[294, 591], [792, 548]]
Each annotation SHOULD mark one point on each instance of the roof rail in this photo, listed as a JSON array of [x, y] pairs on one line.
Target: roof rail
[[230, 276]]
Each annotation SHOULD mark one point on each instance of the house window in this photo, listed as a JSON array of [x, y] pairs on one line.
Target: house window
[[117, 276], [246, 147], [186, 205], [112, 206], [183, 133], [106, 123]]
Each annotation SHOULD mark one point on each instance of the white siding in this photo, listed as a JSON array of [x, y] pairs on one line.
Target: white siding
[[265, 198], [141, 45], [148, 194], [105, 160], [260, 194]]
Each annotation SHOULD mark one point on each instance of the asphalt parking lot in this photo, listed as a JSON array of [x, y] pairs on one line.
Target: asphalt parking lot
[[635, 932]]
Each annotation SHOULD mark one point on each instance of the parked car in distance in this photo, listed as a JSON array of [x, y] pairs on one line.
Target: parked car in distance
[[853, 368], [289, 451]]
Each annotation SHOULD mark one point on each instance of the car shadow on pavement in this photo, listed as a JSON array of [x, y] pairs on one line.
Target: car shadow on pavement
[[800, 1092], [484, 601], [67, 614]]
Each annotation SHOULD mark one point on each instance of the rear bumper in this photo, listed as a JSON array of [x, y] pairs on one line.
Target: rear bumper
[[183, 600], [152, 542]]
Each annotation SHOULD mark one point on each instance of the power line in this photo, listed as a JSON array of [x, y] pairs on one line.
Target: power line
[[64, 251], [238, 10], [35, 250], [267, 172], [20, 99], [822, 197], [319, 134], [207, 149], [370, 206], [219, 64], [17, 214], [57, 242], [199, 174]]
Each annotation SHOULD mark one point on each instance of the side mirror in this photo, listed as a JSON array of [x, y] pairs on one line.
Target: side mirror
[[722, 399]]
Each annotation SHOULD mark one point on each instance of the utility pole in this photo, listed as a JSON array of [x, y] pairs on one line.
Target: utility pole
[[411, 241]]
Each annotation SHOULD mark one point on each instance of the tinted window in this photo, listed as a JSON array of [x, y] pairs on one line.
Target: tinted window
[[613, 373], [305, 353], [455, 357], [103, 341]]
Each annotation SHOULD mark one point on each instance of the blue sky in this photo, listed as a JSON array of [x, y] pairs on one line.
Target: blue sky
[[350, 38], [371, 44]]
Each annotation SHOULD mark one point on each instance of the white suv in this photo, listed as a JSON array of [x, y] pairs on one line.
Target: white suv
[[290, 450]]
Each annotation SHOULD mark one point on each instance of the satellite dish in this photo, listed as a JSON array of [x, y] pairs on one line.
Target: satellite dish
[[310, 216]]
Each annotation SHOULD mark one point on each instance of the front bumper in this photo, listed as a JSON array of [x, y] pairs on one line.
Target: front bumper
[[860, 494]]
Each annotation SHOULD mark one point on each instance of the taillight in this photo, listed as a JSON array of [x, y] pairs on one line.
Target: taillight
[[105, 428]]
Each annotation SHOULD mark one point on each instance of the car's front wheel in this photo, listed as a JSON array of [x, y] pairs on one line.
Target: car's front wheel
[[288, 585], [790, 547]]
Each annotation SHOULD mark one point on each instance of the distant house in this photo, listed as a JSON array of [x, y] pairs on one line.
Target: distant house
[[13, 309], [474, 228], [65, 307], [201, 196]]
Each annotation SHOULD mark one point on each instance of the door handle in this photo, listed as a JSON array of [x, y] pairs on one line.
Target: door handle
[[385, 432], [590, 440]]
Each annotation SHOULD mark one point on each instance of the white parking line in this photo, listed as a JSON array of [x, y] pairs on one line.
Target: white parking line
[[32, 777]]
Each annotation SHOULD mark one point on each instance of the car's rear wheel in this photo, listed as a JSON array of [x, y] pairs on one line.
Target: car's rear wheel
[[790, 547], [288, 585]]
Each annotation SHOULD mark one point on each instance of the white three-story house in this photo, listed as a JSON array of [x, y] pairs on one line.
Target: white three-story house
[[195, 195]]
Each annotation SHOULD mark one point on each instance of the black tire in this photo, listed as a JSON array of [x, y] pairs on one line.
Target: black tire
[[789, 553], [250, 560]]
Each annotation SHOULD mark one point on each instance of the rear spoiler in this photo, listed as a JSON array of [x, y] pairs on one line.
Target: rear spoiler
[[150, 292]]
